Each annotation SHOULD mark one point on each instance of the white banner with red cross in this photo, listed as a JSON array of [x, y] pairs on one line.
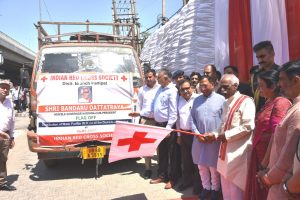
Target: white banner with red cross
[[135, 140]]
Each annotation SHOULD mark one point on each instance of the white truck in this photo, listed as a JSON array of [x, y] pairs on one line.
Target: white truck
[[80, 87]]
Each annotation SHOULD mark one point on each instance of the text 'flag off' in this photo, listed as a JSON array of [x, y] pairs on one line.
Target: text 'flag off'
[[135, 140]]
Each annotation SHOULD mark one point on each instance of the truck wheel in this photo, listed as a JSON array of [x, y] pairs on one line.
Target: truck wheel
[[50, 163]]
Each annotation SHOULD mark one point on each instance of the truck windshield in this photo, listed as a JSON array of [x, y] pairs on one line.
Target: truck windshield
[[89, 59]]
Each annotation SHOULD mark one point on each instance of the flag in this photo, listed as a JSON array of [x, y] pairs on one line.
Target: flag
[[135, 140]]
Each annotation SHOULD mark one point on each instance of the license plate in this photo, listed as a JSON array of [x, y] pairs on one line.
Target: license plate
[[92, 152]]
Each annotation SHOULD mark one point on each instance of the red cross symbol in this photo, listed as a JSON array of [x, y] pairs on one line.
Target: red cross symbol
[[136, 141], [124, 78], [44, 78]]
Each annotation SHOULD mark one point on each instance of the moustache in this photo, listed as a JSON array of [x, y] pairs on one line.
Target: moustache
[[261, 63], [224, 92]]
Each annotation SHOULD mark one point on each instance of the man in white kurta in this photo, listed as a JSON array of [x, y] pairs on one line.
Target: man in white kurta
[[234, 166]]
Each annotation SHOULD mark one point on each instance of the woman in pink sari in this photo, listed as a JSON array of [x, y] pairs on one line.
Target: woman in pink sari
[[266, 121]]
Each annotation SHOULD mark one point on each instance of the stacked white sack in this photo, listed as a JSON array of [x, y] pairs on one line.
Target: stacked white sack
[[186, 42]]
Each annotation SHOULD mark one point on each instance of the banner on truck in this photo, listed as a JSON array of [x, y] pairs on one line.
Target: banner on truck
[[73, 108]]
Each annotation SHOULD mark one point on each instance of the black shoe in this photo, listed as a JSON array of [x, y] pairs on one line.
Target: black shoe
[[204, 194], [170, 184], [197, 189], [215, 195], [157, 180], [6, 187], [184, 186], [147, 174]]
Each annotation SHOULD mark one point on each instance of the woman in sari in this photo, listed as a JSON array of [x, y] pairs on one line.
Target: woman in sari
[[265, 123]]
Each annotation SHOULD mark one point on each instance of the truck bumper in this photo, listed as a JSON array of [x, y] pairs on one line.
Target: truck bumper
[[44, 153]]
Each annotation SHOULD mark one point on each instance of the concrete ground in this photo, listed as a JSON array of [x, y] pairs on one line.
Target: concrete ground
[[70, 180]]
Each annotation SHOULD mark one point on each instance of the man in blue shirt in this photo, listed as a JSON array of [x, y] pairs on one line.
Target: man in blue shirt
[[165, 115], [206, 117]]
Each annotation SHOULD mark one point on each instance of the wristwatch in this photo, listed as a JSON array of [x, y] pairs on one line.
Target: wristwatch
[[285, 188]]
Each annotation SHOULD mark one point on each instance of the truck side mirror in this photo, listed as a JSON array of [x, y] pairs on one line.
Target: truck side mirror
[[24, 77]]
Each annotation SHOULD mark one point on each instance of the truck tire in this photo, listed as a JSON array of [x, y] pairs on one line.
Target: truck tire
[[51, 163]]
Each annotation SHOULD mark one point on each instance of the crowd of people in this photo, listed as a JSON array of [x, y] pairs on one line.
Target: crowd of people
[[236, 140], [19, 98]]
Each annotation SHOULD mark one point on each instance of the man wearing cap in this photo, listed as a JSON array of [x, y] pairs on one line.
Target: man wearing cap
[[177, 76], [7, 124]]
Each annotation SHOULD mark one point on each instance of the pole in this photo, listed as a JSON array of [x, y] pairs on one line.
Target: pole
[[185, 2], [40, 10], [115, 18], [136, 26], [163, 17]]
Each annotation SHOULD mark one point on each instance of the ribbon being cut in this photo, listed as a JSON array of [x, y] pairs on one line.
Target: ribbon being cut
[[136, 140]]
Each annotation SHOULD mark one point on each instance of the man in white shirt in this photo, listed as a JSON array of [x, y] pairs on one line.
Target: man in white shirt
[[7, 124], [165, 115], [190, 175], [146, 96]]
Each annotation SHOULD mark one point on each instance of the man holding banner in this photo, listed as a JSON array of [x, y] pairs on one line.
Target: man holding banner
[[236, 135], [146, 96], [190, 175], [165, 115], [206, 117]]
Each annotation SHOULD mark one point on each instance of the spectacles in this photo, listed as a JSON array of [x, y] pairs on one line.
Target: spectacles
[[4, 87], [225, 87], [184, 89]]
